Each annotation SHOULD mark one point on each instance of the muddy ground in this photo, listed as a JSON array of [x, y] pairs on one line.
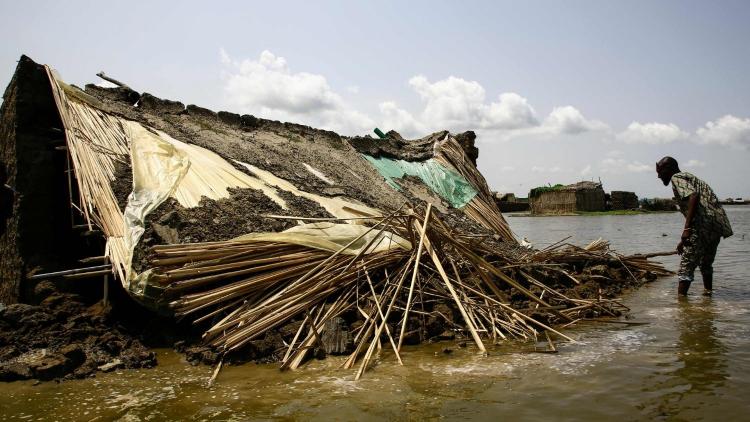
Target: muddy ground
[[64, 338]]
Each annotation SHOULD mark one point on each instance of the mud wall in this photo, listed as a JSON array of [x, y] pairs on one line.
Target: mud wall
[[622, 200], [10, 262], [38, 233], [555, 202], [590, 199]]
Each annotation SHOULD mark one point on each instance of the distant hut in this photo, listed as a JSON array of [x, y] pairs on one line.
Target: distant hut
[[622, 200], [560, 199], [507, 202], [505, 197]]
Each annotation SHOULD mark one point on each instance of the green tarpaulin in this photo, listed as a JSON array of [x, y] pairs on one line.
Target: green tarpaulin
[[449, 185]]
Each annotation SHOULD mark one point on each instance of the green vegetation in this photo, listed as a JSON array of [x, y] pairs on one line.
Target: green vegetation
[[535, 192]]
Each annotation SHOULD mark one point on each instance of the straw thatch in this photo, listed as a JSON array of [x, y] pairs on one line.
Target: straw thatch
[[582, 196]]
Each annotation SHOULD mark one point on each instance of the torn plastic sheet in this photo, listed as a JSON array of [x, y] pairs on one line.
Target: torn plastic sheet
[[447, 184], [331, 237], [334, 236]]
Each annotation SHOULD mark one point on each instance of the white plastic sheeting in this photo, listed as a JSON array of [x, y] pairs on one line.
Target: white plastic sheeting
[[332, 237], [164, 167]]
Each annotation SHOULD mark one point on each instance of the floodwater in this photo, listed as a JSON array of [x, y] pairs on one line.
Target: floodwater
[[690, 360]]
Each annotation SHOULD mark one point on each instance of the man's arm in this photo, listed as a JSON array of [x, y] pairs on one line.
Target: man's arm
[[689, 216]]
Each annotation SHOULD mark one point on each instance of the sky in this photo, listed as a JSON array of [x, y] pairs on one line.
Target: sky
[[557, 92]]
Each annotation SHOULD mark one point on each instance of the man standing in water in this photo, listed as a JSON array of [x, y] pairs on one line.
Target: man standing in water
[[705, 224]]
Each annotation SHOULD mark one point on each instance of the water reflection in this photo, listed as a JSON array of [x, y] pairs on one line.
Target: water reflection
[[691, 362], [700, 368], [700, 347]]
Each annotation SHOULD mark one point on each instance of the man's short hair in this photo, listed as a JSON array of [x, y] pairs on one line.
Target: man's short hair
[[668, 162]]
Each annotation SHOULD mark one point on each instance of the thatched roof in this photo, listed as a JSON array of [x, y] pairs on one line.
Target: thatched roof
[[583, 185]]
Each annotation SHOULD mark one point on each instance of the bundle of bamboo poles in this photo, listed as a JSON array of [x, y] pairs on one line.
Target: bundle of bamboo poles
[[482, 208], [598, 252], [243, 289]]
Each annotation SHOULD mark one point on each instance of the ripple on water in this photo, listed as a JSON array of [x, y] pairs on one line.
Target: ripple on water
[[487, 367], [607, 346], [335, 385]]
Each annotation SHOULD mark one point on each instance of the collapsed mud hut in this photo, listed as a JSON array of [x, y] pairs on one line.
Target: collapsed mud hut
[[278, 241]]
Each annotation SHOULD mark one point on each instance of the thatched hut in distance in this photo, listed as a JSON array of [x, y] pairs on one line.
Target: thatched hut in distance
[[560, 199], [622, 200], [507, 202]]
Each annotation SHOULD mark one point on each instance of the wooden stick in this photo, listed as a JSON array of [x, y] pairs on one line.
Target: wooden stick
[[112, 80], [382, 317], [447, 282], [379, 330], [422, 234], [216, 373]]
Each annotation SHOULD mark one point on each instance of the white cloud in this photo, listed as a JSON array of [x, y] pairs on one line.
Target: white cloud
[[452, 102], [506, 169], [652, 133], [267, 87], [621, 165], [570, 120], [695, 164], [726, 130], [511, 111], [400, 120], [457, 104], [586, 170], [460, 104]]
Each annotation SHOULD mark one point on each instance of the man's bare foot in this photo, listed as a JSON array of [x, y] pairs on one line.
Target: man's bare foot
[[707, 292]]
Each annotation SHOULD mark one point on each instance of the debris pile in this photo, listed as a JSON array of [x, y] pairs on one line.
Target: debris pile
[[447, 282], [282, 242], [63, 338]]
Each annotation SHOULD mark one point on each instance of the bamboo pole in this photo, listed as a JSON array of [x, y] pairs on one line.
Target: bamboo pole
[[448, 284], [422, 234]]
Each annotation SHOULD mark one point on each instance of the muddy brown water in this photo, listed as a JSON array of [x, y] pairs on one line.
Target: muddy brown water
[[689, 361]]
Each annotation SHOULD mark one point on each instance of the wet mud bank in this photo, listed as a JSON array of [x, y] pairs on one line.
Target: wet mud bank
[[64, 338]]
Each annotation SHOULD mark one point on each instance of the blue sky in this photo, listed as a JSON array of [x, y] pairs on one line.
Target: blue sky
[[557, 91]]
